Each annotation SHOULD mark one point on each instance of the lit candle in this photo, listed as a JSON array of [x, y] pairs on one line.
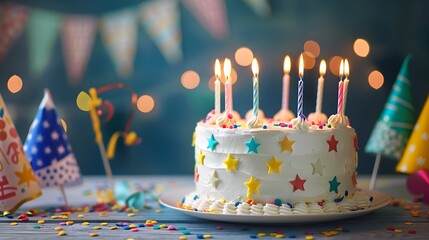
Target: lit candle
[[217, 87], [255, 70], [346, 85], [286, 83], [300, 88], [228, 86], [340, 89], [321, 82]]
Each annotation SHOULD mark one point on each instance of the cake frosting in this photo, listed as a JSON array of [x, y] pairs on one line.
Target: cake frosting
[[275, 168]]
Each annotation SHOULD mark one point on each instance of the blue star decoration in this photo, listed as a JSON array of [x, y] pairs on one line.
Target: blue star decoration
[[333, 185], [212, 143], [252, 145]]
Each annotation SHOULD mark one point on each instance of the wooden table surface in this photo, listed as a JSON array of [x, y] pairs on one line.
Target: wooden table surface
[[371, 226]]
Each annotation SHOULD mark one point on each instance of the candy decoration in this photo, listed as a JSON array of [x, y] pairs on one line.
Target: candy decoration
[[416, 153], [17, 181], [391, 132], [48, 149], [418, 184]]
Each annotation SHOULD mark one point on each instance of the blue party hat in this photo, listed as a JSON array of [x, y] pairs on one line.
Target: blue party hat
[[48, 149]]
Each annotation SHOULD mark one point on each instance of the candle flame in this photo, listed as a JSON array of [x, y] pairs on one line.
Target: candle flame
[[322, 69], [227, 68], [217, 69], [255, 67], [301, 66], [346, 68], [342, 68], [286, 64]]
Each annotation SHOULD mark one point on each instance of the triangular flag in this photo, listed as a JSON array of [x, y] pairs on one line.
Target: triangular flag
[[261, 7], [48, 148], [12, 21], [43, 28], [77, 34], [394, 125], [162, 21], [416, 153], [119, 31], [211, 14], [17, 181]]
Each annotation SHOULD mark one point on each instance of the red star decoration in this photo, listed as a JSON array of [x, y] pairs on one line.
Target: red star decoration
[[332, 144], [196, 175], [298, 183], [355, 142]]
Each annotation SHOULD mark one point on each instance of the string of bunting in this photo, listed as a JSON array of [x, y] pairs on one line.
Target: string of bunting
[[119, 31]]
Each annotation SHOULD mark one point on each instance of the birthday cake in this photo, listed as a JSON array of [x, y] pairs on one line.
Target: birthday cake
[[275, 168]]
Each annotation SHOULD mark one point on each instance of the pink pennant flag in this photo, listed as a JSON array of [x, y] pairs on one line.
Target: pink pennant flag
[[77, 35], [13, 18], [162, 21], [211, 14]]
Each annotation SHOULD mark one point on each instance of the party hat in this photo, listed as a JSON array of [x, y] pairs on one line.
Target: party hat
[[48, 149], [394, 125], [17, 181], [416, 153]]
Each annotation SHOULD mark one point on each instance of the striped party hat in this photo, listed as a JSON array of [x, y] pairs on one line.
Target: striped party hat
[[395, 123]]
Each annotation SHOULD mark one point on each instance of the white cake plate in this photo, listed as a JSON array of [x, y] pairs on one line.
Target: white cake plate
[[172, 198]]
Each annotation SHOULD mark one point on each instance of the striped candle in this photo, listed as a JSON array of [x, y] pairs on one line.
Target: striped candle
[[340, 97], [217, 87], [300, 87], [255, 70], [228, 86], [346, 86]]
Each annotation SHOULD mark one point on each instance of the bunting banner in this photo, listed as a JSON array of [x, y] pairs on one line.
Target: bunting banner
[[119, 31], [260, 7], [77, 33], [12, 21], [161, 20], [211, 14], [43, 29]]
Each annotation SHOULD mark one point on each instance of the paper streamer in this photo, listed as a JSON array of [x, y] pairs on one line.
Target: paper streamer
[[260, 7], [416, 153], [43, 27], [395, 123], [119, 31], [48, 149], [17, 181], [161, 19], [211, 14], [77, 35], [13, 19]]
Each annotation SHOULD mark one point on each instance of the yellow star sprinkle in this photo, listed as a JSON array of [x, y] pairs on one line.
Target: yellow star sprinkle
[[231, 163], [201, 157], [274, 165], [286, 144], [26, 176], [252, 187], [194, 136]]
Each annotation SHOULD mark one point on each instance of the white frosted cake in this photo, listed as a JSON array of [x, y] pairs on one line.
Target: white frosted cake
[[277, 169]]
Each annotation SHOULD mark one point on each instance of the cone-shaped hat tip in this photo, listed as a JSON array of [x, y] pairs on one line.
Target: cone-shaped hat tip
[[47, 101], [404, 68]]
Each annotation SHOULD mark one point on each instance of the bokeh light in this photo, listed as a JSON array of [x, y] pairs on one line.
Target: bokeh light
[[376, 79], [361, 47], [334, 65], [83, 101], [210, 83], [64, 124], [309, 60], [312, 47], [145, 103], [190, 79], [14, 84], [244, 56]]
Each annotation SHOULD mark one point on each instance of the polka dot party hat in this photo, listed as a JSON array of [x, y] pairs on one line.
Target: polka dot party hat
[[48, 149], [17, 181], [416, 154]]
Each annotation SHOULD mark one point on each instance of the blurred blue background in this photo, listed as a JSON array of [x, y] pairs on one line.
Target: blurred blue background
[[392, 28]]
